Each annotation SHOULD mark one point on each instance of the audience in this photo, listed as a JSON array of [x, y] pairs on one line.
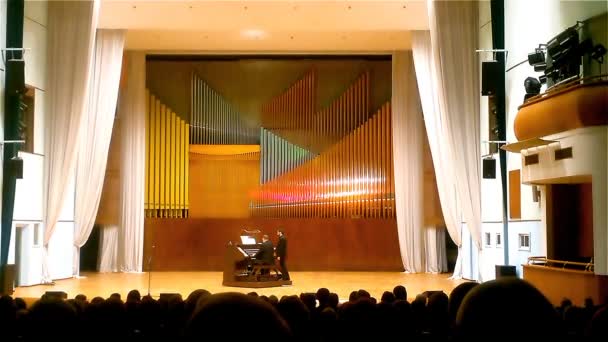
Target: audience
[[508, 308], [237, 317]]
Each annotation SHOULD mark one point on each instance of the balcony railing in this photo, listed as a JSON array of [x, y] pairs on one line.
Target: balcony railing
[[576, 265]]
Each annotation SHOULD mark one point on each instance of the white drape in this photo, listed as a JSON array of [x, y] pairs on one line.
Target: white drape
[[71, 33], [448, 81], [441, 149], [96, 134], [434, 241], [454, 38], [408, 163], [133, 157], [108, 243]]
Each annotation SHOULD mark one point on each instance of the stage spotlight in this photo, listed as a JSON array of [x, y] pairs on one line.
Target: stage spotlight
[[540, 67], [536, 57], [532, 86], [598, 53], [563, 42]]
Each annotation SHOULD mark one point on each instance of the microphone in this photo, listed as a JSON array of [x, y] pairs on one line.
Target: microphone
[[150, 268]]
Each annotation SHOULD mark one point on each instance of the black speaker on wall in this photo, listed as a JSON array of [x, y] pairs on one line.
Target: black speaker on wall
[[16, 167], [15, 77], [489, 77], [505, 271], [489, 168]]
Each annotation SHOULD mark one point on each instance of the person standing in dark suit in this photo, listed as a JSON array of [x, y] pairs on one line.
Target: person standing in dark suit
[[282, 253]]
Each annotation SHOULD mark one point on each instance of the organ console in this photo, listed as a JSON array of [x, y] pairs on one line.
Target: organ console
[[240, 269]]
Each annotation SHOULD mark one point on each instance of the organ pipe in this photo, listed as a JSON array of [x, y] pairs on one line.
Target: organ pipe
[[166, 174]]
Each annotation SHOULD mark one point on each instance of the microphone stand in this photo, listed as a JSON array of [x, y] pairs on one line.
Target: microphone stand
[[150, 269]]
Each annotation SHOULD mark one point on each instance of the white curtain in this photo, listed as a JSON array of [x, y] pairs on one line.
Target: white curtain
[[133, 157], [96, 134], [436, 257], [441, 149], [108, 243], [448, 80], [408, 162], [71, 38]]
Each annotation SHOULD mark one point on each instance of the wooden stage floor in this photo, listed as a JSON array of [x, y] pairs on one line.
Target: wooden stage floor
[[342, 283]]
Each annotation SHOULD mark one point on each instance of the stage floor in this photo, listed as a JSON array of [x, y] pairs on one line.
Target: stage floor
[[342, 283]]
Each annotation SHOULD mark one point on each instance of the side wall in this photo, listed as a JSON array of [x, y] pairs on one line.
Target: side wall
[[29, 199], [527, 24]]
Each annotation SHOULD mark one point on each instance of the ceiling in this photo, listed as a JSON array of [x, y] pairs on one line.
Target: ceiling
[[295, 26]]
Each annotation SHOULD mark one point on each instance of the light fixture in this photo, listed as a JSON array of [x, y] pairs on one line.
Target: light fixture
[[253, 33], [540, 67], [536, 57], [532, 86], [16, 167]]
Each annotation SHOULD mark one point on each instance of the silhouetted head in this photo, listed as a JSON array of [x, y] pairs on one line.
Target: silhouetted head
[[506, 302], [20, 303], [354, 295], [309, 299], [193, 299], [8, 310], [51, 319], [333, 301], [133, 296], [280, 232], [363, 294], [565, 303], [400, 292], [238, 316], [97, 300], [387, 297], [296, 314], [456, 297], [598, 327], [274, 300], [265, 238], [419, 302], [81, 297], [322, 296]]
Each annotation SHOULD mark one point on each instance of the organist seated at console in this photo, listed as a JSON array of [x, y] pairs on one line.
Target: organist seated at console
[[265, 255]]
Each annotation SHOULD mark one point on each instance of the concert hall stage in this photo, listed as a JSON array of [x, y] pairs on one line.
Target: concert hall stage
[[342, 283]]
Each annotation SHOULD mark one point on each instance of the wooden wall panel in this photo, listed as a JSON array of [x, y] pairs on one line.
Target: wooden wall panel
[[313, 244], [557, 284], [221, 185], [515, 194]]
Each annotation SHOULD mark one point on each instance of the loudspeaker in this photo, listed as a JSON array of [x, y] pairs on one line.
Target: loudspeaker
[[16, 167], [8, 287], [56, 294], [489, 168], [535, 194], [489, 77], [505, 271], [428, 294], [167, 296], [15, 77]]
